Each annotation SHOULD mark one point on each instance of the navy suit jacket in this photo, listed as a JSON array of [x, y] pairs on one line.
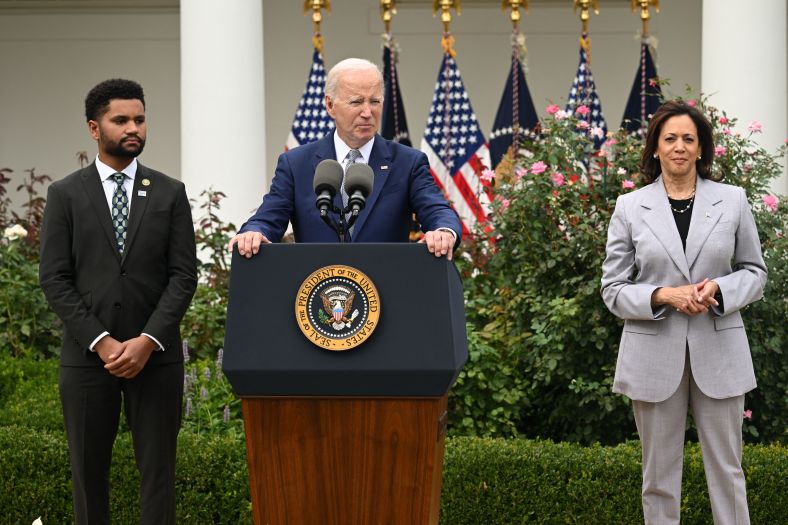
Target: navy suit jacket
[[403, 185]]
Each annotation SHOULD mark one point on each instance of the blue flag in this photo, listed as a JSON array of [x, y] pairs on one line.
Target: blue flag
[[583, 93], [394, 125], [311, 121], [645, 97], [502, 132]]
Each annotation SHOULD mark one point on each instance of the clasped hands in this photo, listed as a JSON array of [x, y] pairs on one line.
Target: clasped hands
[[690, 299], [439, 242], [127, 358]]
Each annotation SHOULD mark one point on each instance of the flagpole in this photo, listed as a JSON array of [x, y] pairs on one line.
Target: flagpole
[[645, 16], [585, 16], [316, 7], [447, 42], [514, 14], [388, 9]]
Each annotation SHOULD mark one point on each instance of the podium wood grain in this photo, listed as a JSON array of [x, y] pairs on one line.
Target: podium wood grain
[[345, 461]]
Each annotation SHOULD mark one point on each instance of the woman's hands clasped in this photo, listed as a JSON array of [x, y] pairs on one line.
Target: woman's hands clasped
[[690, 299]]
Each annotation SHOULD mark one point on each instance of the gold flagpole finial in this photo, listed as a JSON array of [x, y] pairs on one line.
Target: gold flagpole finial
[[388, 8], [585, 6], [316, 6], [515, 6], [444, 6], [644, 12]]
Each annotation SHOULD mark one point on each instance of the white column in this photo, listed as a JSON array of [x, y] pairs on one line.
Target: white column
[[222, 103], [744, 64]]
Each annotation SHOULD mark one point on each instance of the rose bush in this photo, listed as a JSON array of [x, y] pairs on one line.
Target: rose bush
[[532, 286]]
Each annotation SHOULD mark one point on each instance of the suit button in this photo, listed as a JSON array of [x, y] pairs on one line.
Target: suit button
[[117, 306], [123, 274]]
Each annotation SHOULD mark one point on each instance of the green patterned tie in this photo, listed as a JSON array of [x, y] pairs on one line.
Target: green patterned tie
[[120, 210]]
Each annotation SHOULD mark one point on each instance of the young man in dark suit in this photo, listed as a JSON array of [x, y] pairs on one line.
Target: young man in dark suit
[[118, 266]]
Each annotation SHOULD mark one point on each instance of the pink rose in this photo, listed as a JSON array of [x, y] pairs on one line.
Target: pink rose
[[597, 132], [558, 179], [611, 141], [723, 120], [754, 127], [726, 131], [488, 175], [770, 201], [652, 82], [583, 125], [719, 151], [561, 114], [627, 184], [582, 110], [552, 109], [538, 167], [692, 102], [504, 204], [747, 415], [520, 172]]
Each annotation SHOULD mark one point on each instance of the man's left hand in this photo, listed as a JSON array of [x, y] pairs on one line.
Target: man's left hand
[[133, 357], [439, 242]]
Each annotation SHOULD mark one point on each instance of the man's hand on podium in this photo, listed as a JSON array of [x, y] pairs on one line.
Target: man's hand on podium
[[439, 242], [248, 243]]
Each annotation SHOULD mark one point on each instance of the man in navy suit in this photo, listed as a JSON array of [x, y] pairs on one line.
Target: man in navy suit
[[402, 184]]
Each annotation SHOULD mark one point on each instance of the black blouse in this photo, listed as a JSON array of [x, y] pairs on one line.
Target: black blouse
[[682, 217]]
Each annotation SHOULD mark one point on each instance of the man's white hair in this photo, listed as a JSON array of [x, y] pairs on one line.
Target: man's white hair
[[349, 64]]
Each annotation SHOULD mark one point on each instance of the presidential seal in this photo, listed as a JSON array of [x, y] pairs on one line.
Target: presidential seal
[[337, 307]]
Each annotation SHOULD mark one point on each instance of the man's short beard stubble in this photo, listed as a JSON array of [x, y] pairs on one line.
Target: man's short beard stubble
[[116, 149]]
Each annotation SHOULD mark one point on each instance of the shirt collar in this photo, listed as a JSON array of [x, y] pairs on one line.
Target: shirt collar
[[106, 172], [342, 149]]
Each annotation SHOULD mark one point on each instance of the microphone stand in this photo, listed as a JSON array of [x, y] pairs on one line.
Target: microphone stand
[[339, 228]]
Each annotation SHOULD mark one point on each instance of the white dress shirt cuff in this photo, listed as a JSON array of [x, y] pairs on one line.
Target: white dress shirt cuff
[[92, 346], [161, 348], [454, 233]]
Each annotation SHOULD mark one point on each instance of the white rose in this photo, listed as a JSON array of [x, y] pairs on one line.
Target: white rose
[[15, 232]]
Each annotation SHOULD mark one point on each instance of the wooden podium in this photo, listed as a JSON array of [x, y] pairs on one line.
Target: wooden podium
[[355, 436]]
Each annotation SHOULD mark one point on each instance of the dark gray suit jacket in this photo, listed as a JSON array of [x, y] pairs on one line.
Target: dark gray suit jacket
[[93, 289]]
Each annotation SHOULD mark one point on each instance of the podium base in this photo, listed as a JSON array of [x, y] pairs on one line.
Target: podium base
[[343, 461]]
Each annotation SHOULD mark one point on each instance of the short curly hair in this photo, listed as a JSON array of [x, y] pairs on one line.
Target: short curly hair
[[97, 101], [650, 167]]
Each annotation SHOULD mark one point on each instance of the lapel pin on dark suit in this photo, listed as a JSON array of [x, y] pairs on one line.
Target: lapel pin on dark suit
[[384, 167], [143, 193]]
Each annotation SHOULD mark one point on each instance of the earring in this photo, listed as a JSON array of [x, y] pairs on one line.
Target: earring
[[656, 156], [699, 157]]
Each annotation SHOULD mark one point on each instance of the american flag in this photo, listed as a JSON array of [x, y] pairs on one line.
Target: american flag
[[583, 93], [516, 100], [311, 120], [456, 147], [645, 97]]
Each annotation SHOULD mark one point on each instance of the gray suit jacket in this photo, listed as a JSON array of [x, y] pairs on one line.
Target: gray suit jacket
[[644, 252]]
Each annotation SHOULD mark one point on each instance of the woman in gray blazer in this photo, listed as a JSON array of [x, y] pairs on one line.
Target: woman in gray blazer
[[683, 258]]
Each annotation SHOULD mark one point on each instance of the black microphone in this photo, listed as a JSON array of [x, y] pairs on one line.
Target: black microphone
[[328, 179], [358, 185]]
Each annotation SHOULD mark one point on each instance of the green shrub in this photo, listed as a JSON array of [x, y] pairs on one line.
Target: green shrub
[[495, 481], [27, 324], [212, 484], [490, 481], [532, 286]]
